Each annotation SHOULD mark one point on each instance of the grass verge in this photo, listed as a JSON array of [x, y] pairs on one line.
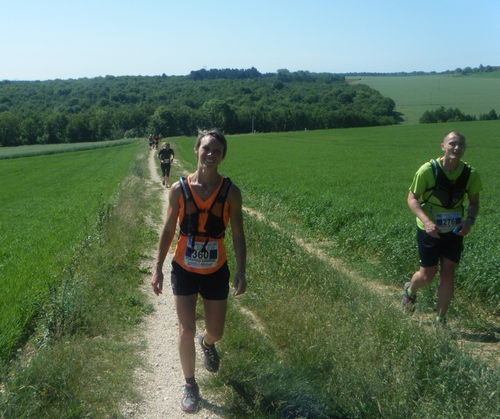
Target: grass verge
[[79, 362], [44, 149], [327, 347], [50, 204]]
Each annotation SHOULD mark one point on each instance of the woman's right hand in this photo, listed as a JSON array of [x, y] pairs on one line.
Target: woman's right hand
[[157, 282]]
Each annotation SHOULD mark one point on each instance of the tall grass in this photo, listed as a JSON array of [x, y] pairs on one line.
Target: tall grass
[[80, 362], [328, 347], [50, 204]]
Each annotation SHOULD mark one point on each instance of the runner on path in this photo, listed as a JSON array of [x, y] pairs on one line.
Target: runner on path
[[437, 195], [166, 156], [199, 266]]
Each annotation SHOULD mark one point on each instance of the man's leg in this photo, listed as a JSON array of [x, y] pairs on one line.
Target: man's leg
[[446, 286], [421, 278], [163, 173], [167, 174]]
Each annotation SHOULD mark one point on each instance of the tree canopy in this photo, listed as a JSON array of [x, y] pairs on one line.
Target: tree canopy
[[235, 100]]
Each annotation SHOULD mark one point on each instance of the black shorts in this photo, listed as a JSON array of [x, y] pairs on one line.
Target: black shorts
[[165, 169], [213, 286], [430, 249]]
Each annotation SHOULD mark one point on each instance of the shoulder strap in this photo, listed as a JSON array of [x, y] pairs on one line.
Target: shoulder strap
[[189, 224], [215, 226], [217, 206], [435, 171], [466, 174], [186, 192], [224, 190], [435, 167]]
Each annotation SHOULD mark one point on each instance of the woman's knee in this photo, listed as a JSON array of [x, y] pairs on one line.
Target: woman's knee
[[186, 333], [215, 335]]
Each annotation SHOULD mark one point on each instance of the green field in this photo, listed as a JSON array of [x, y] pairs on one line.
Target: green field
[[50, 204], [416, 94], [349, 187], [43, 149], [326, 344]]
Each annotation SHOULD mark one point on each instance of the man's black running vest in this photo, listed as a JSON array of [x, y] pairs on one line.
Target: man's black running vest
[[449, 192], [214, 227]]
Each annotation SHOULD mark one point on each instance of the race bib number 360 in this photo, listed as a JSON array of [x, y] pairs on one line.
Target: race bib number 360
[[448, 221], [202, 256]]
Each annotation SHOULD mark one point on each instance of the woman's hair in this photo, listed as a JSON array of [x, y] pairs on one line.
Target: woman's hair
[[213, 132]]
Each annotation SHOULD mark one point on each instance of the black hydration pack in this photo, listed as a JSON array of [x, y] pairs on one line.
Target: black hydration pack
[[449, 192], [214, 227]]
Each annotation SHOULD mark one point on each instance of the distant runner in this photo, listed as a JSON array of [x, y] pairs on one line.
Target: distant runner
[[166, 156]]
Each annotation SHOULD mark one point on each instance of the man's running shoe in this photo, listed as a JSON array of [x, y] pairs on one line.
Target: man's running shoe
[[211, 360], [408, 301], [191, 398]]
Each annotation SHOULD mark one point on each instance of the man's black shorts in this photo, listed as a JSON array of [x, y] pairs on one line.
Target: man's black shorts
[[213, 286], [430, 249]]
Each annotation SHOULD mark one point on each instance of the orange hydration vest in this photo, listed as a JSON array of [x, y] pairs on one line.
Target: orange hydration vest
[[200, 245]]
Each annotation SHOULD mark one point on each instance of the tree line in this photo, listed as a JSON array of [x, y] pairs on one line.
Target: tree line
[[458, 71], [453, 115], [237, 101]]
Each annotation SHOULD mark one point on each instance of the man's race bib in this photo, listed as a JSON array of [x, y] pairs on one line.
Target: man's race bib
[[448, 221], [203, 256]]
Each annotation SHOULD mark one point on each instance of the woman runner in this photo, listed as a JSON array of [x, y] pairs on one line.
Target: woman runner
[[199, 264]]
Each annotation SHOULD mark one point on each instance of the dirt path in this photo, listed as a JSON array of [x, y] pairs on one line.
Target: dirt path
[[160, 381], [380, 289]]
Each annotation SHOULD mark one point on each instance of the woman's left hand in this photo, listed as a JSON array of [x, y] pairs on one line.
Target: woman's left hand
[[240, 284]]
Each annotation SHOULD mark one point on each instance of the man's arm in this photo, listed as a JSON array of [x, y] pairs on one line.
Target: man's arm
[[413, 202], [472, 211]]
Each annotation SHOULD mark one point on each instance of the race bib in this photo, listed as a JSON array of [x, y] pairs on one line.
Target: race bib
[[203, 256], [448, 221]]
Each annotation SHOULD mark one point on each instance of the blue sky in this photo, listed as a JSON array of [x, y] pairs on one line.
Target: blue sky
[[62, 39]]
